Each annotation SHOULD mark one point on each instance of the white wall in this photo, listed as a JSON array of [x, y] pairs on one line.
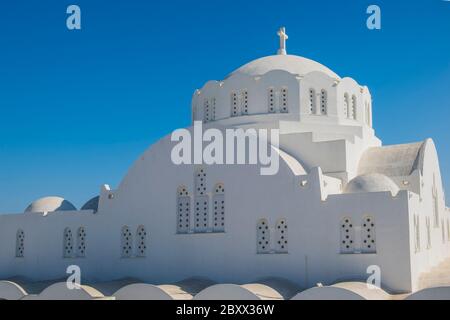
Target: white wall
[[147, 196]]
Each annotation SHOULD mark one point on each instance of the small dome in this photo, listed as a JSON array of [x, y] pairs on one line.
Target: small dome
[[50, 204], [91, 204], [373, 182], [290, 63]]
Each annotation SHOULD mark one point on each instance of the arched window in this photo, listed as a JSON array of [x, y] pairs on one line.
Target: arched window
[[219, 208], [126, 242], [347, 236], [141, 241], [368, 235], [206, 111], [312, 101], [68, 243], [284, 100], [323, 102], [271, 100], [263, 236], [183, 210], [354, 107], [234, 104], [281, 236], [201, 202], [20, 243], [244, 104], [81, 242], [346, 106]]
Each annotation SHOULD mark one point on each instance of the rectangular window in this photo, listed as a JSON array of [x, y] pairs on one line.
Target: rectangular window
[[213, 109], [206, 111], [284, 100], [271, 100], [201, 213], [234, 104], [244, 104]]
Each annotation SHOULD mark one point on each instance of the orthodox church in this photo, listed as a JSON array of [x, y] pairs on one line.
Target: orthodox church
[[340, 204]]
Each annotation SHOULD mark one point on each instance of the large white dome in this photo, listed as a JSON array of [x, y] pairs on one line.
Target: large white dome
[[50, 204], [290, 63]]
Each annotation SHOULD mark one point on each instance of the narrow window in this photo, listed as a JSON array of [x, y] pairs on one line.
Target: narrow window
[[68, 243], [346, 105], [200, 182], [271, 100], [368, 235], [141, 241], [284, 100], [201, 214], [263, 236], [323, 102], [201, 202], [428, 226], [206, 111], [347, 236], [81, 242], [183, 210], [281, 236], [126, 242], [234, 104], [213, 109], [354, 107], [312, 101], [219, 208], [244, 102], [20, 243]]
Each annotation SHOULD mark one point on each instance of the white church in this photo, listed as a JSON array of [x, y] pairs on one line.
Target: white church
[[340, 204]]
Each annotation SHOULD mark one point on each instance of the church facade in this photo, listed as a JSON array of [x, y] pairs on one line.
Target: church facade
[[340, 204]]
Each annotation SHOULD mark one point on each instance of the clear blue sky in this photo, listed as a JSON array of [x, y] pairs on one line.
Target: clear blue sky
[[78, 107]]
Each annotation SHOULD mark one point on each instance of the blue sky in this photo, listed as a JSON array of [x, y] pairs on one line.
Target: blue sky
[[78, 107]]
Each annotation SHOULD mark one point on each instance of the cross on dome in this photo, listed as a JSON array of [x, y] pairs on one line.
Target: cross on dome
[[283, 37]]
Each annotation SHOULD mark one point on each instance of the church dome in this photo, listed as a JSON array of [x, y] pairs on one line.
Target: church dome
[[373, 182], [293, 64], [306, 94], [50, 204]]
